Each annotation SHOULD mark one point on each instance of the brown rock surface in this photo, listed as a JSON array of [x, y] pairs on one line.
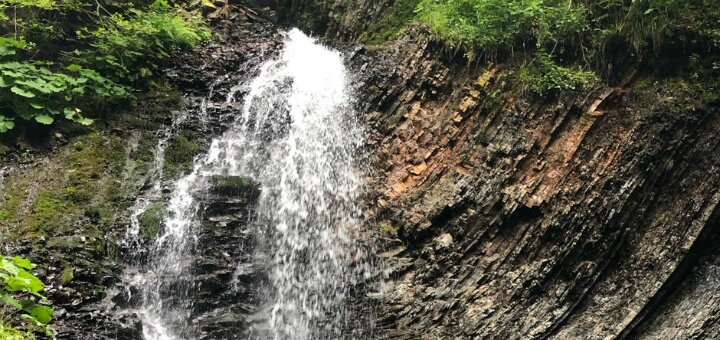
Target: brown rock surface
[[580, 216]]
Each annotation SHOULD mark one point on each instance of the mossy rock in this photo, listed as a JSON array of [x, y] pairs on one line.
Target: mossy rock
[[179, 154], [53, 199], [151, 220], [232, 186], [66, 275]]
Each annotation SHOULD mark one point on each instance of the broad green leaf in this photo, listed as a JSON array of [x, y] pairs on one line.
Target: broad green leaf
[[20, 92], [37, 105], [18, 284], [23, 263], [83, 121], [3, 83], [41, 313], [6, 51], [44, 119], [6, 125], [8, 267], [24, 281], [74, 68], [69, 113]]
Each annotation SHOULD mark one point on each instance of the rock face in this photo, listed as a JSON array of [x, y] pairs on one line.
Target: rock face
[[227, 276], [68, 209], [588, 215]]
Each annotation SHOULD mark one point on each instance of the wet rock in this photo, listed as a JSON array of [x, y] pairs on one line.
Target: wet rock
[[233, 186], [530, 217]]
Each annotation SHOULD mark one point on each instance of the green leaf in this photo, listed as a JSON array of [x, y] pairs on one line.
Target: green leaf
[[7, 51], [8, 267], [20, 92], [6, 124], [74, 68], [3, 83], [10, 301], [26, 282], [42, 314], [83, 121], [23, 263], [69, 113], [44, 119]]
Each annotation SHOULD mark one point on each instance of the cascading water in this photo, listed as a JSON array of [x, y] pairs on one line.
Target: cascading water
[[298, 138]]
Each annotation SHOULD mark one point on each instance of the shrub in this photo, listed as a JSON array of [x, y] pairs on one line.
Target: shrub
[[33, 91], [496, 26], [132, 44]]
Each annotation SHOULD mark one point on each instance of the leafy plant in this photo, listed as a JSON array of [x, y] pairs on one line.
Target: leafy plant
[[542, 75], [607, 36], [60, 58], [132, 44], [20, 291], [388, 229], [491, 27], [33, 91]]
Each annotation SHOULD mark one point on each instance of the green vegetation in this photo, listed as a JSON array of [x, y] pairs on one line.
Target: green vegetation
[[151, 220], [541, 75], [74, 58], [495, 26], [393, 24], [388, 230], [231, 185], [179, 154], [66, 275], [7, 332], [560, 43], [73, 187], [20, 293]]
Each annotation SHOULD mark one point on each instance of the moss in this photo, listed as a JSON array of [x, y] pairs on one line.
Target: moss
[[179, 154], [4, 215], [231, 185], [388, 230], [46, 211], [77, 195], [53, 199], [66, 275], [151, 220]]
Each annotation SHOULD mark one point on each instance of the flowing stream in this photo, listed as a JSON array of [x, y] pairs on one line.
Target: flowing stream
[[298, 138]]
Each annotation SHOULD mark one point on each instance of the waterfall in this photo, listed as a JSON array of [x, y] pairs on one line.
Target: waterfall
[[298, 138]]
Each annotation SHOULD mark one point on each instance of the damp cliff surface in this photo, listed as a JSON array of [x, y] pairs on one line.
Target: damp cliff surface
[[576, 216], [67, 195], [589, 214]]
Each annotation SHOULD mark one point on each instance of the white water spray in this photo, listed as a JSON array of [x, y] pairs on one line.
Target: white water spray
[[298, 138]]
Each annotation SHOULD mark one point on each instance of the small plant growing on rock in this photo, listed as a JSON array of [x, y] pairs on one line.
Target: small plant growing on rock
[[388, 230], [19, 295]]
